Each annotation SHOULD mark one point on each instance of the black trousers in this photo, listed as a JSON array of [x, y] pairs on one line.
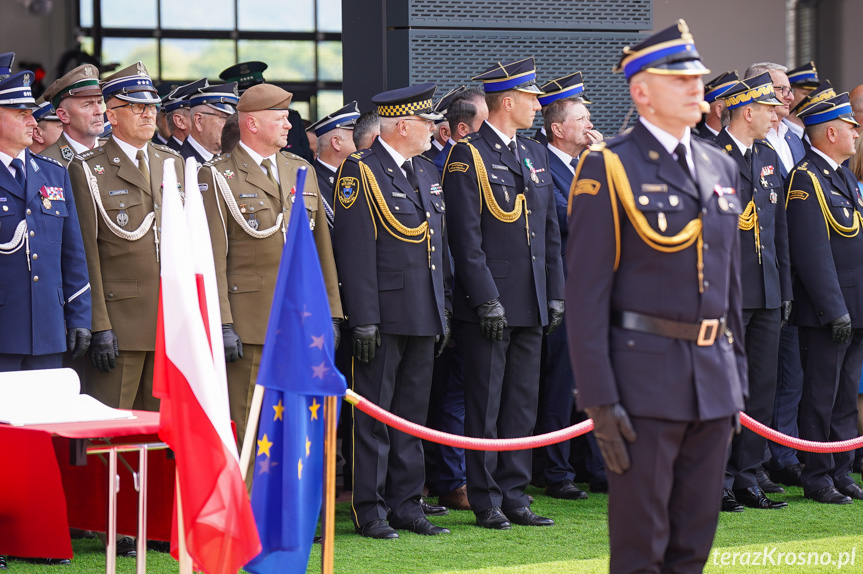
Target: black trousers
[[388, 470], [16, 362], [828, 409], [762, 352], [501, 382], [661, 516]]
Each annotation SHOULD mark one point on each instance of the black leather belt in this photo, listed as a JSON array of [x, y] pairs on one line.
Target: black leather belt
[[703, 333]]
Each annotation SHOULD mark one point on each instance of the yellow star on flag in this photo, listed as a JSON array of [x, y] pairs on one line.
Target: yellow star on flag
[[308, 446], [300, 468], [314, 408], [264, 446], [279, 408]]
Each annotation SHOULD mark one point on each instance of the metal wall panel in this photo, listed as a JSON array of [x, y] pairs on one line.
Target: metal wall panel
[[451, 57]]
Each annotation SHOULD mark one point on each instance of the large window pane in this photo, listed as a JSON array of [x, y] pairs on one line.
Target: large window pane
[[197, 14], [293, 16], [289, 61], [127, 51], [330, 61], [328, 102], [193, 59], [330, 15], [86, 16], [125, 14]]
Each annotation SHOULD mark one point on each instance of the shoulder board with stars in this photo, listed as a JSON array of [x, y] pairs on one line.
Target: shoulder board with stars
[[528, 138], [358, 155], [765, 143], [48, 159], [290, 155], [803, 166], [166, 149], [90, 153], [218, 159], [466, 138], [419, 155]]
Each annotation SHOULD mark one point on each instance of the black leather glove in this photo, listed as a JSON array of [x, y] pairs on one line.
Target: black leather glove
[[337, 332], [366, 339], [232, 342], [492, 320], [786, 313], [555, 315], [442, 340], [842, 329], [78, 341], [611, 425], [738, 427], [104, 350]]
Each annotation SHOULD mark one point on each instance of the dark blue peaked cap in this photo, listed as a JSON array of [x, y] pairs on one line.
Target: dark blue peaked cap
[[180, 97], [514, 75], [15, 91], [345, 118], [670, 51], [719, 85], [566, 87], [6, 61], [410, 101], [836, 108]]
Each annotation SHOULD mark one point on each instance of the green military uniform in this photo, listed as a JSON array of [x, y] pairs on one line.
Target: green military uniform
[[61, 150], [243, 208], [120, 215]]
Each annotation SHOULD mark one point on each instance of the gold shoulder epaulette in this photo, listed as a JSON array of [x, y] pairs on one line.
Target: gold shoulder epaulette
[[465, 139], [358, 155], [803, 166], [597, 146]]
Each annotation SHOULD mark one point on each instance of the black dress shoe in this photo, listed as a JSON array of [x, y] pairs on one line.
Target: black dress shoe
[[377, 529], [565, 489], [493, 518], [126, 547], [524, 516], [48, 561], [828, 495], [753, 497], [424, 527], [853, 490], [433, 510], [317, 540], [790, 475], [159, 546], [765, 483], [729, 503]]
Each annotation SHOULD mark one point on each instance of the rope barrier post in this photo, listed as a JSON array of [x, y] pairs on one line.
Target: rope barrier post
[[328, 528], [251, 431]]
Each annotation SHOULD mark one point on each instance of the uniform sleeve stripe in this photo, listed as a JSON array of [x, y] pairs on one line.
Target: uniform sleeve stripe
[[80, 292]]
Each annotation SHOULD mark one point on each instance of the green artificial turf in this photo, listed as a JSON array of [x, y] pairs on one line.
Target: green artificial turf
[[577, 544]]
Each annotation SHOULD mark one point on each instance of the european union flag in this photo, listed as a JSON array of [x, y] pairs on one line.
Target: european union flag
[[297, 369]]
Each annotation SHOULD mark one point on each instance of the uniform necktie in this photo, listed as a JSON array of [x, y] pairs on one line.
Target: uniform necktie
[[681, 159], [19, 172], [513, 148], [574, 162], [412, 177], [142, 166], [268, 165], [748, 157]]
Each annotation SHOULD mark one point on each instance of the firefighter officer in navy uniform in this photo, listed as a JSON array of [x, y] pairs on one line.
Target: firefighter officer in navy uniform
[[391, 251], [335, 133], [654, 311], [824, 221], [765, 274], [118, 192], [44, 285], [505, 242]]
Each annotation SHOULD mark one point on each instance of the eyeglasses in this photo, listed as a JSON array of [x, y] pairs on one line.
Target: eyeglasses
[[425, 121], [784, 90], [139, 109]]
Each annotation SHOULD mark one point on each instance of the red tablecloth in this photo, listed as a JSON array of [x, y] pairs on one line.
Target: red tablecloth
[[42, 495]]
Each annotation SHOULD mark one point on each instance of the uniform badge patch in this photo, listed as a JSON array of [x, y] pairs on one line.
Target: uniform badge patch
[[99, 169], [588, 186], [435, 189], [797, 194], [229, 174], [253, 223], [52, 193], [457, 166], [122, 219], [242, 195], [654, 188], [119, 192], [66, 152], [348, 191], [203, 187], [766, 170]]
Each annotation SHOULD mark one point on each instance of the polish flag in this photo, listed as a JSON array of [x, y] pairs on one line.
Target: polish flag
[[219, 526]]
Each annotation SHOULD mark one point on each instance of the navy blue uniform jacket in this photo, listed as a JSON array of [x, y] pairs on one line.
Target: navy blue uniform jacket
[[387, 280], [38, 304], [494, 259], [768, 283], [828, 264], [651, 375], [561, 177]]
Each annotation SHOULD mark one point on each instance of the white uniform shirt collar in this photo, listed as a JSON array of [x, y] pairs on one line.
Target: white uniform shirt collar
[[669, 142], [7, 160], [738, 143], [499, 133], [326, 165], [130, 150], [829, 161], [206, 154], [564, 157], [397, 157], [258, 158], [437, 145], [77, 146]]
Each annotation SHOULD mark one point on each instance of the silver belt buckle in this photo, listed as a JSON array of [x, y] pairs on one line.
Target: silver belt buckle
[[707, 333]]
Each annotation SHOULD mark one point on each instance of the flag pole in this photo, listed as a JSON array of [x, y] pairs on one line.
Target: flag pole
[[328, 529], [184, 558], [251, 431]]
